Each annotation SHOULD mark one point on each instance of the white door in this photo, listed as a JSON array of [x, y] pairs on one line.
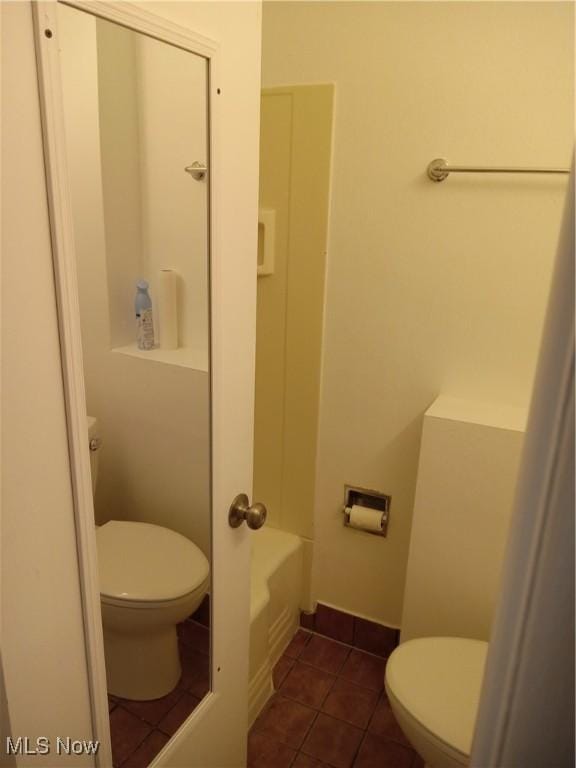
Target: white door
[[215, 733]]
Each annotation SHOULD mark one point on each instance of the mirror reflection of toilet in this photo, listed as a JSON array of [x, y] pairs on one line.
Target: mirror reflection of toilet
[[151, 578], [433, 685]]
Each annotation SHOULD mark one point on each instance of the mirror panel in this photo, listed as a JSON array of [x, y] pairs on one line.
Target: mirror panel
[[135, 114]]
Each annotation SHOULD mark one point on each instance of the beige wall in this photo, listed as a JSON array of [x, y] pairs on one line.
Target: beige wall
[[153, 417], [430, 287], [467, 470]]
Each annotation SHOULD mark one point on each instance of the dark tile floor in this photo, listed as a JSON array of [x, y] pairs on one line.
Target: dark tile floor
[[139, 729], [329, 711]]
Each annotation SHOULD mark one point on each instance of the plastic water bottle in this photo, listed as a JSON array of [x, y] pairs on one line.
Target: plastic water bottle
[[144, 319]]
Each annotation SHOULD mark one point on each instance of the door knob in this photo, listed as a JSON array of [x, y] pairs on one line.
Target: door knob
[[241, 510], [197, 170]]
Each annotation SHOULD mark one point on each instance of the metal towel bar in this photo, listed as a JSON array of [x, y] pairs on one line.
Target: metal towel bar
[[438, 169]]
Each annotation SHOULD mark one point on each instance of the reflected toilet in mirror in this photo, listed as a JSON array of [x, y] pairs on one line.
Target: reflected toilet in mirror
[[135, 117], [151, 579]]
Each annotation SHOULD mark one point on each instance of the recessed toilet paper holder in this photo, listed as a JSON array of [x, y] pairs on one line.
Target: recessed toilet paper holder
[[366, 497]]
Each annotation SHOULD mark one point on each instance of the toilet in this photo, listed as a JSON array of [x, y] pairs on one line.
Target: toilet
[[433, 685], [151, 578]]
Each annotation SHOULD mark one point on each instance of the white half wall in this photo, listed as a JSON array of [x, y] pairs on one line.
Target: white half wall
[[467, 471]]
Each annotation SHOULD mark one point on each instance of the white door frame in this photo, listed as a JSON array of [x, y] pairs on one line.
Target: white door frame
[[178, 751]]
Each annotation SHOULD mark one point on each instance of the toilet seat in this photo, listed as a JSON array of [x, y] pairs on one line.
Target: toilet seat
[[144, 564], [436, 682]]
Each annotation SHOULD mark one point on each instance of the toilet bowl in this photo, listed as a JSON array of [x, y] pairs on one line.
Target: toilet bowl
[[151, 578], [433, 685]]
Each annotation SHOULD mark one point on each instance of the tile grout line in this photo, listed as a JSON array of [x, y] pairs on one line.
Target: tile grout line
[[340, 642], [134, 750], [332, 674], [307, 733], [156, 726], [320, 711], [335, 676]]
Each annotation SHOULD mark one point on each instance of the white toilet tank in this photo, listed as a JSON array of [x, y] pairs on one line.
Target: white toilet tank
[[94, 442]]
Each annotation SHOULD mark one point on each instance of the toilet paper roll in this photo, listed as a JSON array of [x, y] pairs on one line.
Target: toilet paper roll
[[365, 518], [168, 309]]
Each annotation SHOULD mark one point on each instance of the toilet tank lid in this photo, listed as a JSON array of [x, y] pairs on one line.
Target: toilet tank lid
[[148, 563], [437, 680]]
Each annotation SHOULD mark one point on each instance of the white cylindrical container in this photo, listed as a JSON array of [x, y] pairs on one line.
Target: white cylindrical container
[[168, 309]]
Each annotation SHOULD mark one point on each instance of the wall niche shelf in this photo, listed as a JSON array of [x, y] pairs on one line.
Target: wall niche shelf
[[185, 357]]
